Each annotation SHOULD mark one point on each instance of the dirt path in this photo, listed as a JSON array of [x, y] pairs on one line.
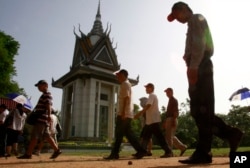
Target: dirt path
[[65, 161]]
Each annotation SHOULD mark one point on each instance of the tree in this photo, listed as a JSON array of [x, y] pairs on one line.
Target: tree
[[136, 124], [187, 131], [240, 117], [8, 50], [237, 117]]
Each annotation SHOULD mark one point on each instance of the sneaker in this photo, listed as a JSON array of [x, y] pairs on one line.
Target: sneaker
[[235, 138], [7, 155], [112, 157], [25, 156], [56, 154], [167, 155], [36, 153]]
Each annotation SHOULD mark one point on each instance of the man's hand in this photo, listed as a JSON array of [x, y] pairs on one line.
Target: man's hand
[[174, 122], [137, 115], [123, 116], [192, 75], [49, 118]]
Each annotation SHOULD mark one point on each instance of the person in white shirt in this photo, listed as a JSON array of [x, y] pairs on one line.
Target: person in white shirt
[[124, 118], [153, 120], [3, 113], [15, 128], [143, 103]]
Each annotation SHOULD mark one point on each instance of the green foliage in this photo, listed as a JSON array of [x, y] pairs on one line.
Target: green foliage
[[136, 124], [8, 50], [240, 117], [237, 117], [187, 130]]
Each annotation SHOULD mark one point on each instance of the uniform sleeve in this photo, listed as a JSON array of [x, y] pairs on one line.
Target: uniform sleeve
[[196, 42]]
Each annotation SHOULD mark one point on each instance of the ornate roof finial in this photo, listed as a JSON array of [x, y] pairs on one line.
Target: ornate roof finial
[[82, 34], [97, 27], [98, 15], [75, 33]]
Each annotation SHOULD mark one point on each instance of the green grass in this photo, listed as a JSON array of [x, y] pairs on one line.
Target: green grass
[[218, 152]]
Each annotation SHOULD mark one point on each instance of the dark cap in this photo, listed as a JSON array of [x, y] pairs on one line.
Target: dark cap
[[168, 89], [149, 85], [41, 82], [177, 6], [122, 71]]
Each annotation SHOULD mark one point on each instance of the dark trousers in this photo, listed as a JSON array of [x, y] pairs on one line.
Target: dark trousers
[[202, 108], [123, 128], [154, 129], [11, 136], [2, 139]]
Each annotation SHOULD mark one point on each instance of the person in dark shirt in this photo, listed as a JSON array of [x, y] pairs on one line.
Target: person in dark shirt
[[198, 52], [171, 122], [41, 128]]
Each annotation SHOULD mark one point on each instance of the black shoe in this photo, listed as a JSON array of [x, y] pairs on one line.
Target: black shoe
[[235, 138], [149, 154], [25, 156], [7, 155], [112, 157], [56, 154], [140, 155], [197, 159], [167, 155]]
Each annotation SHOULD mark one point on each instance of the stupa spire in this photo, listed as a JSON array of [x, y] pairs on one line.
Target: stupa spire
[[97, 27]]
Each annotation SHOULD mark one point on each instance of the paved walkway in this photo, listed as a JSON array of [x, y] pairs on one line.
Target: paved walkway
[[65, 161]]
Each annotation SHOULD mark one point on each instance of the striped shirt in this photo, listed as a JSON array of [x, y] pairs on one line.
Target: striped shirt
[[41, 107]]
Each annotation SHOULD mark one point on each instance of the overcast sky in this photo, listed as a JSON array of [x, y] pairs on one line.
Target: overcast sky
[[147, 45]]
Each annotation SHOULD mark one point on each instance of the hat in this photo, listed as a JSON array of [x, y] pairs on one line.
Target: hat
[[176, 6], [41, 82], [122, 71], [170, 89], [149, 85]]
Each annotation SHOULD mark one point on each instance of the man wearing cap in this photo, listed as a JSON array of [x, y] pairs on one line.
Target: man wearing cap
[[171, 122], [153, 120], [124, 117], [41, 128], [198, 51], [143, 103], [3, 114]]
